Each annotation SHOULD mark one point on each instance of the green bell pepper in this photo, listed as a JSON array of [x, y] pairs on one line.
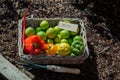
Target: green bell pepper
[[77, 47]]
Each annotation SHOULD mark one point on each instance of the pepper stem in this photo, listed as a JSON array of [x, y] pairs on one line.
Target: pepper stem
[[49, 47], [35, 44]]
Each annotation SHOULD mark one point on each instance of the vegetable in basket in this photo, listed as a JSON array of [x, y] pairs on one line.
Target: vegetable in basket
[[51, 33], [64, 49], [50, 49], [42, 35], [77, 47], [29, 31], [44, 25], [77, 38], [33, 45]]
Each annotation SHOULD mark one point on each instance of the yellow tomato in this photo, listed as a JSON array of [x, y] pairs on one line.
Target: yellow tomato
[[64, 49]]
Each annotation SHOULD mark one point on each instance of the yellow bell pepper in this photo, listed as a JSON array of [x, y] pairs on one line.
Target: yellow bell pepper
[[50, 49]]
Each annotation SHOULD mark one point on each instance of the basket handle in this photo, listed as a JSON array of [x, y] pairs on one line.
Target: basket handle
[[24, 26]]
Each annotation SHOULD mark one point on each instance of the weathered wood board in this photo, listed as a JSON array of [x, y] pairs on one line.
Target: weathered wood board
[[10, 71]]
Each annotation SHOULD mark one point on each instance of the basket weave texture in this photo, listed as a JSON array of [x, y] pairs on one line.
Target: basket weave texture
[[43, 59]]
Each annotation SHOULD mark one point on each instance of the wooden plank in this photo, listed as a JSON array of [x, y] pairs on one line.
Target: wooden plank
[[10, 71]]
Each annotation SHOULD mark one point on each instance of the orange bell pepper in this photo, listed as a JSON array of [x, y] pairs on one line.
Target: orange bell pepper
[[50, 49], [33, 45]]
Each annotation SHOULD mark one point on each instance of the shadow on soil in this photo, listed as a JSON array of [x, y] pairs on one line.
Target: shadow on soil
[[88, 70], [106, 12], [2, 77]]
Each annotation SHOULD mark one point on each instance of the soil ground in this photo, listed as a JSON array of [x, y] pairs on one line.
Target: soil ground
[[103, 32]]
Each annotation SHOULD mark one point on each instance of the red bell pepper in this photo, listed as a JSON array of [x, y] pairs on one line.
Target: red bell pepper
[[33, 45]]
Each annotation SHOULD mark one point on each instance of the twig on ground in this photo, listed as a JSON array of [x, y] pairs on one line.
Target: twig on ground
[[105, 49]]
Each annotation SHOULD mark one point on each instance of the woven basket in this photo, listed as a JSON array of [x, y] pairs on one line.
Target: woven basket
[[44, 59]]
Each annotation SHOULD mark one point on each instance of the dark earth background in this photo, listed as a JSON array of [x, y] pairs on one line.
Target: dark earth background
[[103, 32]]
